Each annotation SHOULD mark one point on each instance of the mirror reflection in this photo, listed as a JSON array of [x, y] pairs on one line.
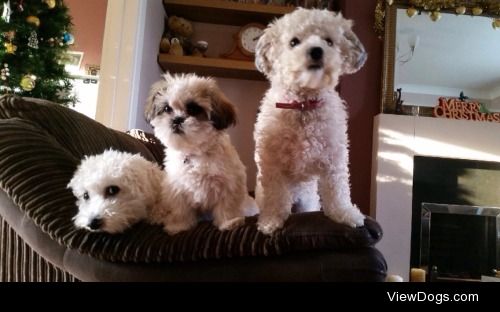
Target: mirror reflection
[[455, 56]]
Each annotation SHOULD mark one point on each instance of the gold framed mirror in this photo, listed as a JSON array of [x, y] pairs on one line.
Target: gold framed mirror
[[391, 20]]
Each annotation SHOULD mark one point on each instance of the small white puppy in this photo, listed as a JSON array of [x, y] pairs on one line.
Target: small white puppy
[[189, 115], [301, 131], [115, 190]]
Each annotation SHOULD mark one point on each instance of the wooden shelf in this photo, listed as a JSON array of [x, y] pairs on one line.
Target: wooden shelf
[[225, 12], [218, 12], [210, 67]]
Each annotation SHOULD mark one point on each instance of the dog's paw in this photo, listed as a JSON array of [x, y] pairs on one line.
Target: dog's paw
[[269, 225], [349, 216], [232, 224]]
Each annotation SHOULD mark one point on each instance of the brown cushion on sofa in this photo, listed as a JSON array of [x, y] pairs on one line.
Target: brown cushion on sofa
[[41, 144], [76, 133]]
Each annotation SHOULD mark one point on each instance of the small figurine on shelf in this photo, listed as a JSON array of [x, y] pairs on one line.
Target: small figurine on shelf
[[175, 47], [164, 44], [398, 101], [177, 36], [462, 96], [199, 49]]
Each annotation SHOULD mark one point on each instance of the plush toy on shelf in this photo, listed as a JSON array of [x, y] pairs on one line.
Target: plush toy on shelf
[[182, 30]]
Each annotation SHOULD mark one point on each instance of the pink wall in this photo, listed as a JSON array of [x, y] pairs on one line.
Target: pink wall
[[89, 18], [244, 94], [361, 91]]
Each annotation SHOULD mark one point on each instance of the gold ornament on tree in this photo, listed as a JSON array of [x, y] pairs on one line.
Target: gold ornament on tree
[[477, 11], [435, 16], [411, 12], [33, 20], [496, 23], [10, 48], [461, 10], [51, 3], [28, 82]]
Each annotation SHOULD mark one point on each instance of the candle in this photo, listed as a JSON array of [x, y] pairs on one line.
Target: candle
[[417, 275]]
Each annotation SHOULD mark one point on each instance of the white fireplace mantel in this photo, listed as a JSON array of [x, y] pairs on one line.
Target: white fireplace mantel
[[397, 139]]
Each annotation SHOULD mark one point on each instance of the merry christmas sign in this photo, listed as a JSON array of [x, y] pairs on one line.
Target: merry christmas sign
[[453, 108]]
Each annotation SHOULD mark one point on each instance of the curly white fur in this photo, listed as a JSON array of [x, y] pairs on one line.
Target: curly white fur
[[299, 153], [115, 190], [204, 172]]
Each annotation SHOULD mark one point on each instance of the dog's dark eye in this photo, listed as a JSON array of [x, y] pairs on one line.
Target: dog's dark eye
[[329, 42], [86, 196], [168, 109], [193, 109], [111, 191], [294, 42]]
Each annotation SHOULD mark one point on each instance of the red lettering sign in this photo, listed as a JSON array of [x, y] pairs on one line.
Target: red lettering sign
[[458, 109]]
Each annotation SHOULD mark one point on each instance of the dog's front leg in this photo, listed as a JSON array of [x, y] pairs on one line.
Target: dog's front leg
[[334, 190], [274, 200], [228, 213]]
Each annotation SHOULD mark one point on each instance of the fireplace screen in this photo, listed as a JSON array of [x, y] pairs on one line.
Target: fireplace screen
[[459, 242]]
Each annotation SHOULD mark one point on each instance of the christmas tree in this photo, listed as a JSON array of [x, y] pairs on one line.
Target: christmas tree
[[34, 37]]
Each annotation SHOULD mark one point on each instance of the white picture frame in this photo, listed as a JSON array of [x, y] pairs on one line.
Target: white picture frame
[[72, 61]]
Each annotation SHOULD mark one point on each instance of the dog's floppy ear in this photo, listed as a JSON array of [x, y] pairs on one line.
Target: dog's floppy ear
[[262, 51], [223, 114], [151, 110], [354, 52]]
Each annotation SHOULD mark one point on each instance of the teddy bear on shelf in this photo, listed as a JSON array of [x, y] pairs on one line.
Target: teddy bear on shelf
[[176, 39]]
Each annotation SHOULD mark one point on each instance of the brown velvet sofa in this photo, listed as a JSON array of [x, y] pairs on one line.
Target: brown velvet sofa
[[41, 144]]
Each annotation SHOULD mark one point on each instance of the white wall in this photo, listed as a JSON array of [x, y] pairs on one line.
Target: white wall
[[128, 66], [495, 105], [150, 71]]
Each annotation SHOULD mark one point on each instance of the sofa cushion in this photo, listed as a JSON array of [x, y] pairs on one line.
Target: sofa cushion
[[74, 132], [41, 145]]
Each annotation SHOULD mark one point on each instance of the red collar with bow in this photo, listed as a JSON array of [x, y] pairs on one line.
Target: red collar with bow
[[302, 106]]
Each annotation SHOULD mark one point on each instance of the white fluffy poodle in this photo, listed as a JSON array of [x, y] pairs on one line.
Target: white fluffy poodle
[[301, 131], [190, 116], [115, 190]]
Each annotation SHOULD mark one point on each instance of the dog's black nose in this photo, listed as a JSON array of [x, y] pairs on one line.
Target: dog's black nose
[[96, 224], [178, 120], [316, 53]]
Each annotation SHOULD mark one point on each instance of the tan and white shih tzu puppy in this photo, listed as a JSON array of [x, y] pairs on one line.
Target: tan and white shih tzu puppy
[[301, 131], [116, 189], [190, 116]]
